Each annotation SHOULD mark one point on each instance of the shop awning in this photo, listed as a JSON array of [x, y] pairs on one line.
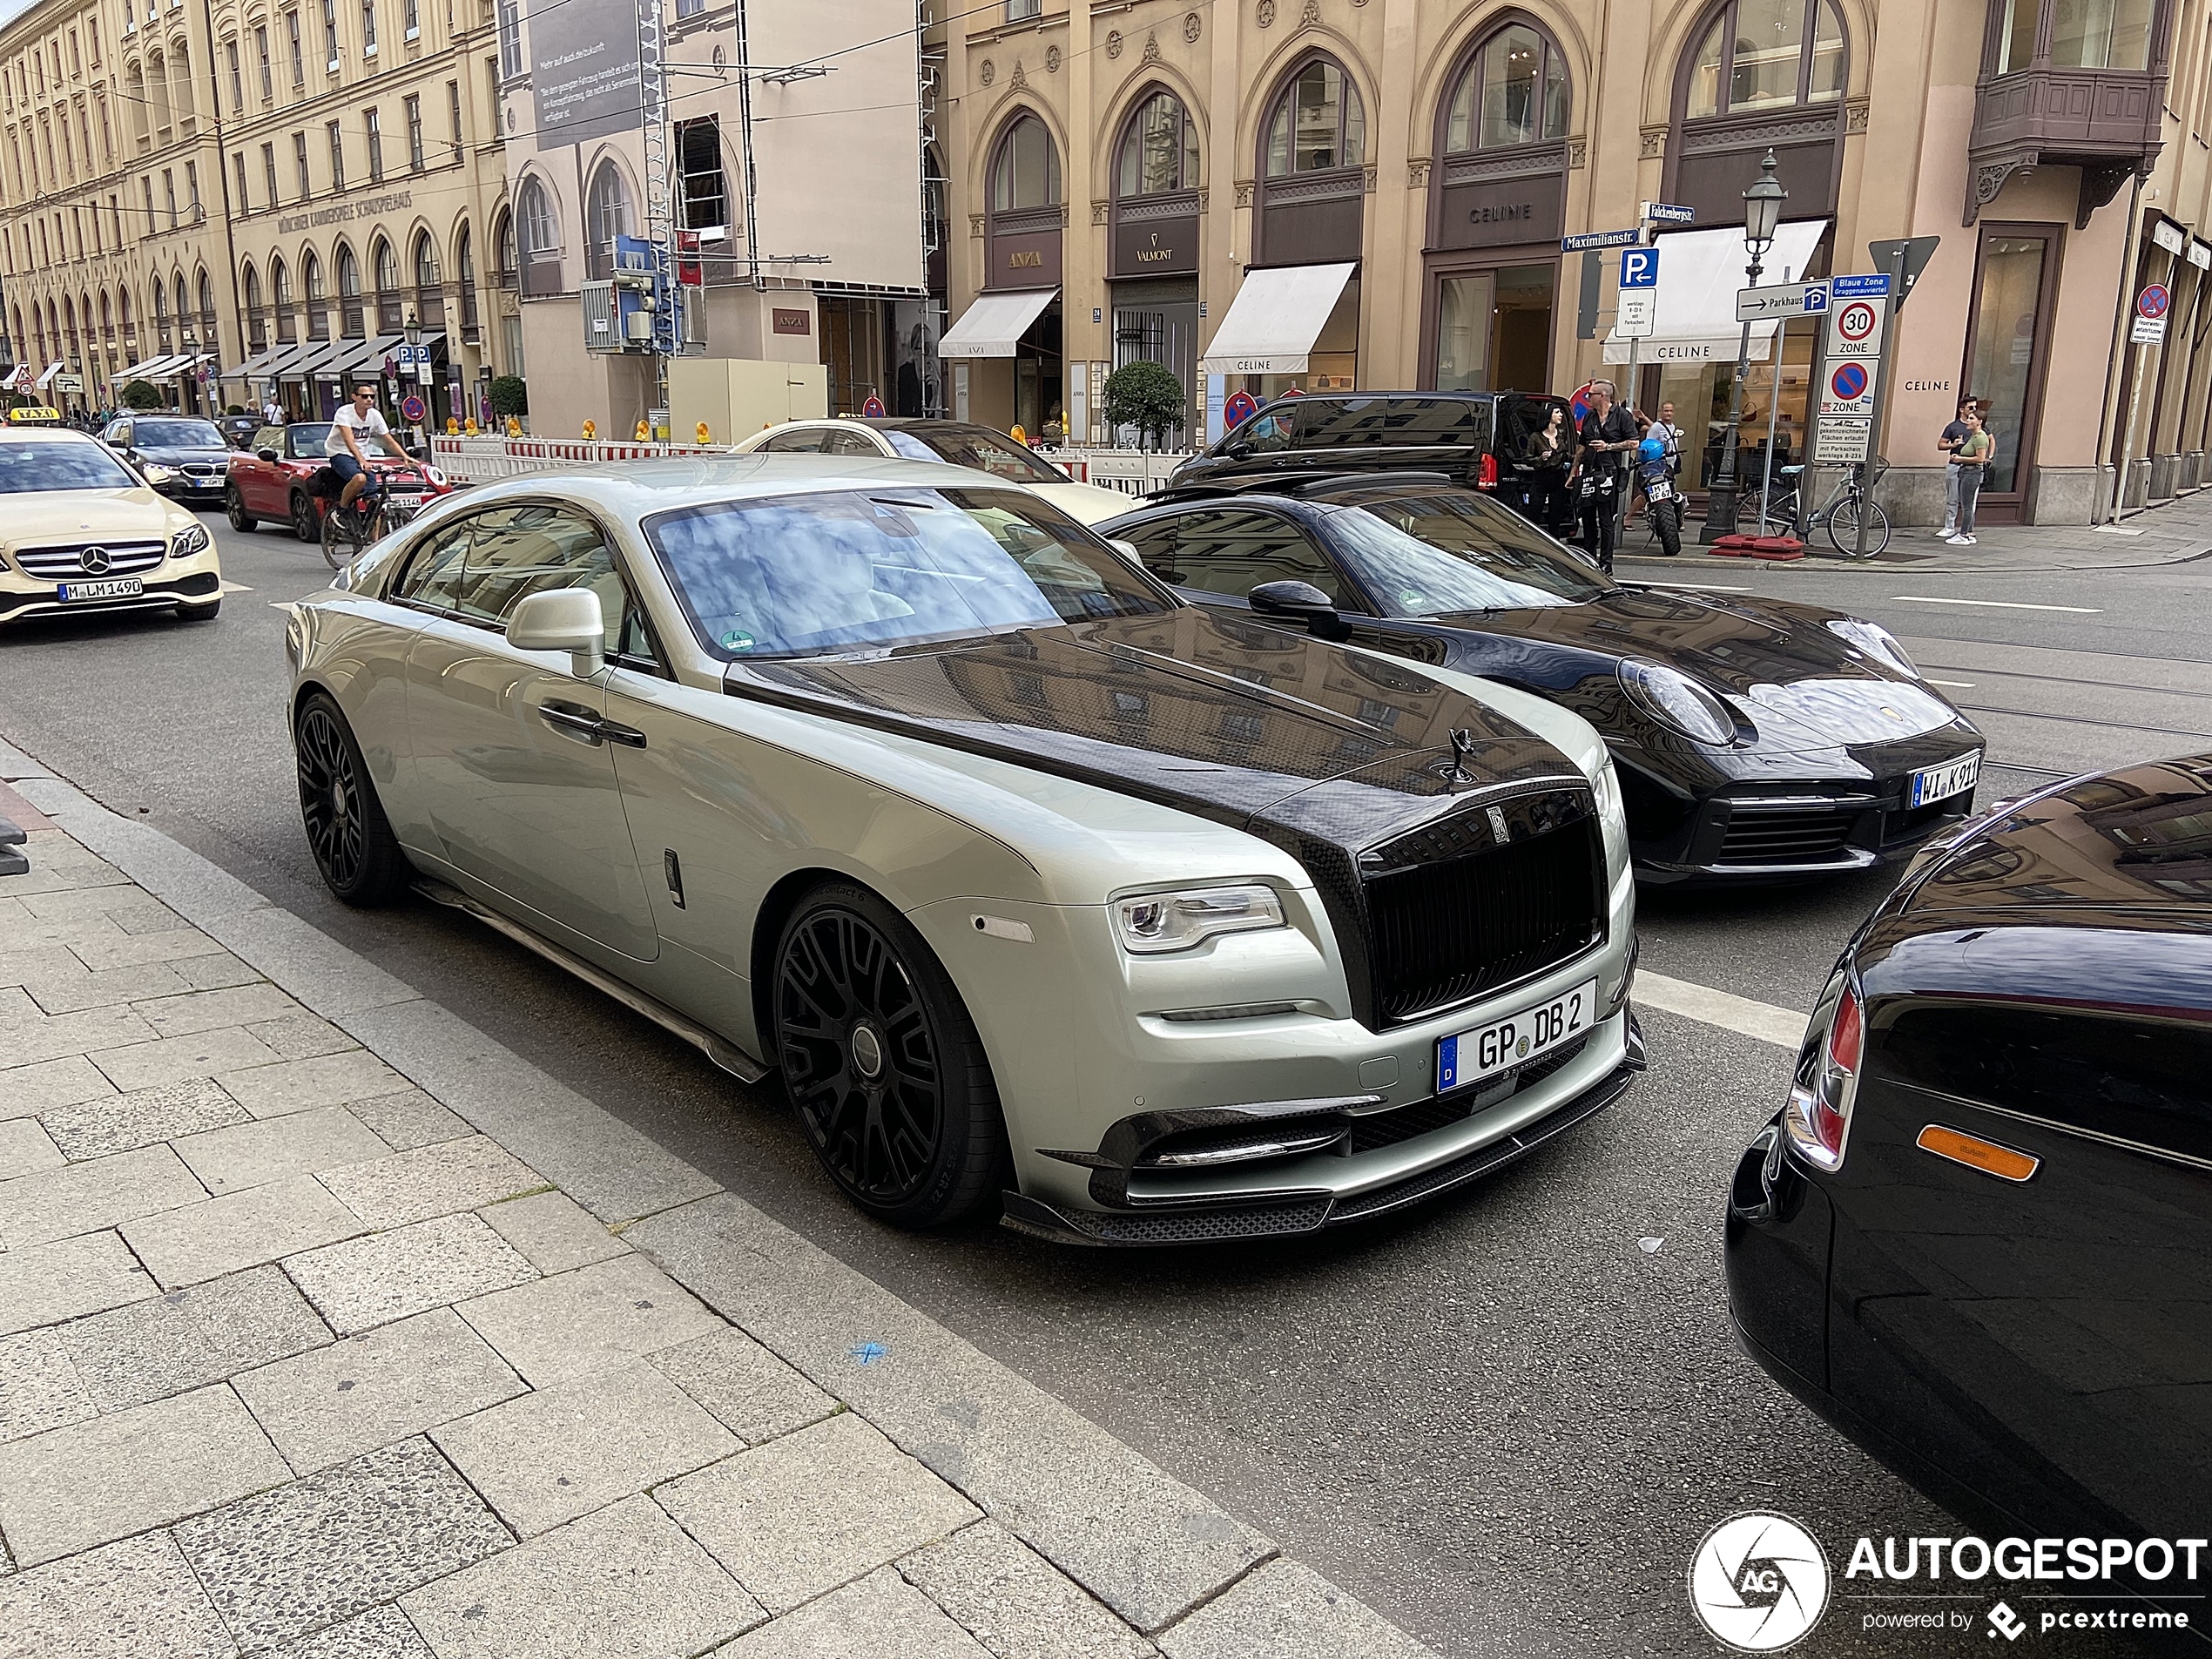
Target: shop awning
[[364, 357], [257, 367], [183, 363], [312, 357], [1275, 318], [992, 325], [47, 379], [1699, 275]]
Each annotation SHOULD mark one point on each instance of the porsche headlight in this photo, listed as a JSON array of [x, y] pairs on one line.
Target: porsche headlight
[[1677, 702], [1154, 923], [1876, 641], [188, 542]]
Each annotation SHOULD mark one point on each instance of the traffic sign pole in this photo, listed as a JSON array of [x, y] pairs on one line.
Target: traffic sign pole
[[1881, 404], [1773, 415]]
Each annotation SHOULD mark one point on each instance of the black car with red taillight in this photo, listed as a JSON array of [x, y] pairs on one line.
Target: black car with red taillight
[[1978, 1236], [1482, 440]]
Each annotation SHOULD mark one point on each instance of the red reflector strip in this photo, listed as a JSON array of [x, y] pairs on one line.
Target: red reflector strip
[[1986, 1155]]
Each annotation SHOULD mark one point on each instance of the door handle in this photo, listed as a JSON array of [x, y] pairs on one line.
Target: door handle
[[572, 720], [628, 736]]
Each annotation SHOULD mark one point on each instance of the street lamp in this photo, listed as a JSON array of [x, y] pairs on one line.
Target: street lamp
[[1762, 213], [412, 329]]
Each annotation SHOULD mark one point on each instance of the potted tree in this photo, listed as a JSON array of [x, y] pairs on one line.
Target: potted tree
[[1147, 396]]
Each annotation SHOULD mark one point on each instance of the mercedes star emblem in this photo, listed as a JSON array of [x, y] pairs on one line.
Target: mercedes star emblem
[[95, 561]]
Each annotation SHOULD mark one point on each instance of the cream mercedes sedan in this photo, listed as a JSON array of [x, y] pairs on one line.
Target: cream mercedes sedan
[[959, 444], [1043, 890], [81, 532]]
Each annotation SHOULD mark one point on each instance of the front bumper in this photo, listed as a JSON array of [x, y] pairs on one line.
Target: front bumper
[[179, 582], [186, 488], [1750, 834], [1376, 1167]]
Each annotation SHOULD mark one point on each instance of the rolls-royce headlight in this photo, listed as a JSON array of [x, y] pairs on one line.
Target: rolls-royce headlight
[[1876, 641], [188, 541], [1154, 923], [1677, 702]]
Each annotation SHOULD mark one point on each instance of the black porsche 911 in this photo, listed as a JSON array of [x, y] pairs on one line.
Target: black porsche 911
[[1755, 740], [1978, 1236]]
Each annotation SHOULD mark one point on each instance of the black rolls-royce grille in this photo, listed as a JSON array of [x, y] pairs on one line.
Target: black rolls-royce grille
[[1769, 838], [1446, 932], [90, 559]]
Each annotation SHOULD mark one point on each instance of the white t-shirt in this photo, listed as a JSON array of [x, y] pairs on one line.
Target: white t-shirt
[[367, 428]]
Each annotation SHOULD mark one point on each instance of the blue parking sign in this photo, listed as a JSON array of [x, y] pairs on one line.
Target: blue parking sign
[[1640, 267]]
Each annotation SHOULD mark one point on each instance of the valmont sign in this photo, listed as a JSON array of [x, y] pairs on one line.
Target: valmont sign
[[339, 213]]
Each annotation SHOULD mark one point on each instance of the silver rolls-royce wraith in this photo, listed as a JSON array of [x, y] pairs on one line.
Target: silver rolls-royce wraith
[[1041, 889]]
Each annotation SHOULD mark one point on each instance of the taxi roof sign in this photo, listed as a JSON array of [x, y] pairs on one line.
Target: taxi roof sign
[[34, 417]]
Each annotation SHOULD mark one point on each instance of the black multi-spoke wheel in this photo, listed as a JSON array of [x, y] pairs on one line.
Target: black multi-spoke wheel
[[307, 526], [234, 506], [345, 533], [351, 841], [883, 1063]]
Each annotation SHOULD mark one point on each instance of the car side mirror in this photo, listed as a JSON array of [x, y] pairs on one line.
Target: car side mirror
[[1126, 550], [264, 454], [1295, 602], [1238, 450], [563, 619]]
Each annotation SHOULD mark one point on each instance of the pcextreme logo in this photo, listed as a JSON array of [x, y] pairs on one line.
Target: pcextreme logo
[[1759, 1582]]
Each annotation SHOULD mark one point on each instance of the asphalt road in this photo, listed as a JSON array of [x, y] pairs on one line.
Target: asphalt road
[[1505, 1420]]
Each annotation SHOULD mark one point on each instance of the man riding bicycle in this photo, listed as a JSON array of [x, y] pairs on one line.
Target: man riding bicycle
[[349, 429]]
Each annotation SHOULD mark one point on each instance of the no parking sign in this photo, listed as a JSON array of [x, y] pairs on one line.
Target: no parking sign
[[413, 408]]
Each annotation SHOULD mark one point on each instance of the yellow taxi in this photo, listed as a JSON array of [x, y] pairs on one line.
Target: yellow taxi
[[81, 532]]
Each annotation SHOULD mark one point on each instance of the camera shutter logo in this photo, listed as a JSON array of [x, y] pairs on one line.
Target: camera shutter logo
[[1759, 1582]]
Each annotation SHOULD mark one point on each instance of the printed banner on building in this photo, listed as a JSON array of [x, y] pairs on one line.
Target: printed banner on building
[[584, 71]]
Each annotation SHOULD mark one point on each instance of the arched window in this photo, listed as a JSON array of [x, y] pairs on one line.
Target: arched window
[[503, 242], [541, 239], [107, 322], [317, 293], [1318, 124], [1763, 55], [280, 296], [387, 267], [1514, 92], [1159, 152], [256, 319], [350, 322], [1026, 171], [207, 311], [464, 271], [607, 215], [161, 313], [187, 332], [430, 293], [130, 322]]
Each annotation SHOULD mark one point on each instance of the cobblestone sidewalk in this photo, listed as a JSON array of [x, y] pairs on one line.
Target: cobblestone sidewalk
[[330, 1329]]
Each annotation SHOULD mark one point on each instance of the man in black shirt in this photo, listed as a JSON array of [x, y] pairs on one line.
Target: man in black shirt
[[1606, 438], [1953, 435]]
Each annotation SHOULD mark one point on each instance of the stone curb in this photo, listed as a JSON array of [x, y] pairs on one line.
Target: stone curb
[[1165, 1558]]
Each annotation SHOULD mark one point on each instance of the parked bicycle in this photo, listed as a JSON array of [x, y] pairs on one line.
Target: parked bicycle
[[1838, 516]]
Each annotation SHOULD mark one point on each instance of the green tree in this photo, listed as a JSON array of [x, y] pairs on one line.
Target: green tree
[[509, 396], [141, 394], [1146, 396]]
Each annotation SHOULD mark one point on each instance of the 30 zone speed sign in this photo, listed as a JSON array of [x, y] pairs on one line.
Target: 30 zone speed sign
[[1855, 323]]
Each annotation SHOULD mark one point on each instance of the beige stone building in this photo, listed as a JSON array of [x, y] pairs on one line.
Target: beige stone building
[[364, 179], [1371, 193], [113, 240]]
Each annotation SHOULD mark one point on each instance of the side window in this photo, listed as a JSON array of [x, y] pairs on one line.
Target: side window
[[520, 550], [1264, 432], [807, 441], [634, 641], [433, 573], [850, 443], [1233, 553], [1154, 545], [1372, 422]]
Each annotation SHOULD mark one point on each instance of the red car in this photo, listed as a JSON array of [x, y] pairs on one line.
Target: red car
[[271, 478]]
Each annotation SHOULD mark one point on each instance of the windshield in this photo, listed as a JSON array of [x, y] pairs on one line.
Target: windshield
[[974, 446], [25, 468], [309, 436], [800, 575], [176, 435], [1445, 551]]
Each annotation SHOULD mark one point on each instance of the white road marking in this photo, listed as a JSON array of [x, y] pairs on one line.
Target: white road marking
[[1959, 685], [1995, 604], [234, 587], [1785, 1027], [1702, 587]]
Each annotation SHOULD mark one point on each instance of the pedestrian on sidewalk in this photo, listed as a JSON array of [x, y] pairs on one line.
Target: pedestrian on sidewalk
[[1606, 437], [1947, 446], [1551, 455], [1969, 465]]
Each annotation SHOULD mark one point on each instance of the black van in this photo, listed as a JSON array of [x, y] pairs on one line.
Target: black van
[[1479, 438]]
